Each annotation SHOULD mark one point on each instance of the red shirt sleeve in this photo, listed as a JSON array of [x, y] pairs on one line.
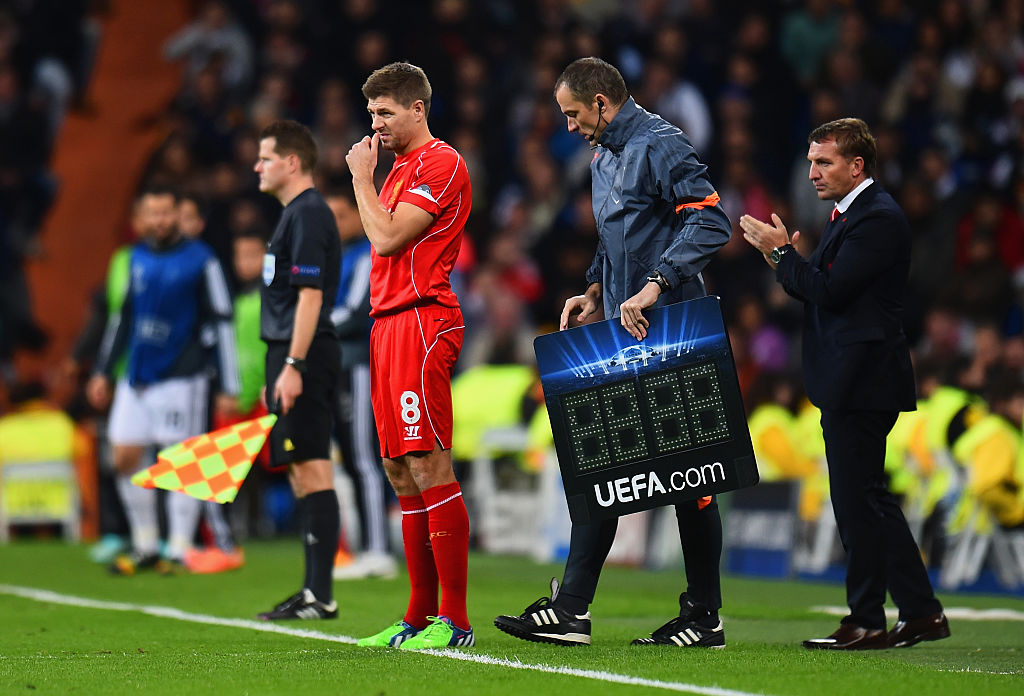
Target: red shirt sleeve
[[437, 182]]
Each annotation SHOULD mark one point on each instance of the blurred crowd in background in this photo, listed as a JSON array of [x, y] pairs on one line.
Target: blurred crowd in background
[[47, 52], [940, 82]]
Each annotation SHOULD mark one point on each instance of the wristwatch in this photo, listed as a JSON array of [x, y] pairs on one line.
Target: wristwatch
[[658, 278], [298, 363], [777, 252]]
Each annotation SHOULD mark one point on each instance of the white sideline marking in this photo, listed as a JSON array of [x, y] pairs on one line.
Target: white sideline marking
[[959, 613], [269, 627], [168, 613], [968, 670]]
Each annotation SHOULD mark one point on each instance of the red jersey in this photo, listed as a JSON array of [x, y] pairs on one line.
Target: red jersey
[[433, 177]]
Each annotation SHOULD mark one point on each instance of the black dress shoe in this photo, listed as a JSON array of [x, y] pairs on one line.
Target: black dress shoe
[[907, 633], [850, 637]]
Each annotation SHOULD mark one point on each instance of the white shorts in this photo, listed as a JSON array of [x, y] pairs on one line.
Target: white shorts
[[164, 413]]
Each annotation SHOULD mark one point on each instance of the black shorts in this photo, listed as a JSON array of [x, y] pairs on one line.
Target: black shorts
[[305, 433]]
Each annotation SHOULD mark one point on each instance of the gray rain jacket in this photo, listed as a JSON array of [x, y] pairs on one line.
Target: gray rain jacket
[[655, 208]]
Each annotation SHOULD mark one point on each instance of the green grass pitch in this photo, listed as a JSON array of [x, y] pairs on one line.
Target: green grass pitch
[[114, 647]]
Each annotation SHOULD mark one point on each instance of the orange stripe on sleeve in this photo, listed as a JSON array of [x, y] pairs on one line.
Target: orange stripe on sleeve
[[709, 202]]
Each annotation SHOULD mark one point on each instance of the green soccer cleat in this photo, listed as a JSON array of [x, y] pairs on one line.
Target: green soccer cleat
[[391, 637], [441, 633]]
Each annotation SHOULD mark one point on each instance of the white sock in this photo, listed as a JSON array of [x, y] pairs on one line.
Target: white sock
[[216, 518], [182, 519], [140, 508]]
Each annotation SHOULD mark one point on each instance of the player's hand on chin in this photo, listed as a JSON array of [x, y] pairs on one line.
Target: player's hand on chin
[[362, 157]]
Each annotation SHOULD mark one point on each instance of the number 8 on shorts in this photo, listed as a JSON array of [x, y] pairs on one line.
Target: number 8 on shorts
[[410, 403]]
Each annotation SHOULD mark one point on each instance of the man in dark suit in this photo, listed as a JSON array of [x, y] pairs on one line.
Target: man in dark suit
[[857, 369]]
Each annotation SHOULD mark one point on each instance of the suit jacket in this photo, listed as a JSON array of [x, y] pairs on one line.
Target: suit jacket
[[855, 354]]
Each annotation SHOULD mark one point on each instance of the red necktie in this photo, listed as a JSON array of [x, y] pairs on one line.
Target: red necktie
[[834, 215]]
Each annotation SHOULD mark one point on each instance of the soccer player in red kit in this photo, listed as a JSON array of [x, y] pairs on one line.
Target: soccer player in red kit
[[415, 226]]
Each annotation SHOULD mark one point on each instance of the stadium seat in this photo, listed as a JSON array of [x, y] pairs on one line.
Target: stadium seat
[[39, 493]]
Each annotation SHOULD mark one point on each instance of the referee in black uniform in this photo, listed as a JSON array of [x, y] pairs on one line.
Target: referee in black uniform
[[300, 281]]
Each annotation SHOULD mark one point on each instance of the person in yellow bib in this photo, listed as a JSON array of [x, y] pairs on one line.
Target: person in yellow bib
[[992, 456], [36, 433], [773, 429]]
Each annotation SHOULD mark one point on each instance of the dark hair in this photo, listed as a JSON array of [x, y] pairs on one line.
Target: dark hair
[[23, 392], [585, 77], [1001, 385], [403, 82], [853, 139], [159, 190], [250, 232], [292, 138]]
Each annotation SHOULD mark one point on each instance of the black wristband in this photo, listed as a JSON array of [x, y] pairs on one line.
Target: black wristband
[[659, 279], [298, 363]]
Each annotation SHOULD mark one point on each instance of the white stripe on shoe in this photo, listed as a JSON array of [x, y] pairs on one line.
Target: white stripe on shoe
[[582, 638]]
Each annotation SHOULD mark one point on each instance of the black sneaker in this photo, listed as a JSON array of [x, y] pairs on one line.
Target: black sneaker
[[301, 605], [131, 563], [684, 633], [542, 622]]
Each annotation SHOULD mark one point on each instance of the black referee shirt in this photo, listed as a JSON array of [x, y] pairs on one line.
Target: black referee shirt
[[304, 252]]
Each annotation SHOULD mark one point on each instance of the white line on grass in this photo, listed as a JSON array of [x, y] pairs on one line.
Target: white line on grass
[[959, 613], [168, 613], [968, 670], [268, 627]]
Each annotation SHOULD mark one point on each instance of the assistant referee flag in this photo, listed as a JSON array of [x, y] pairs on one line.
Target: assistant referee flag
[[211, 466]]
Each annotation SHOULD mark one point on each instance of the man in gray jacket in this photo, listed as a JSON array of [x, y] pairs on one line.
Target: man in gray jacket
[[659, 221]]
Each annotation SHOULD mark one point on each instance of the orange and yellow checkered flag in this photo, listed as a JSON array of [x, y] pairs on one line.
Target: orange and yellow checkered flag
[[210, 466]]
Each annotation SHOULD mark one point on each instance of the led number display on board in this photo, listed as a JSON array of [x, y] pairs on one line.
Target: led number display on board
[[642, 425], [646, 416]]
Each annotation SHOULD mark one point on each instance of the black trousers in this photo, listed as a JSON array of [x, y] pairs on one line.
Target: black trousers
[[880, 551], [700, 534], [356, 435]]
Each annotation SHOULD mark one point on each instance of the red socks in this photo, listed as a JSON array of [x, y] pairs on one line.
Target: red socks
[[420, 561], [435, 532], [449, 538]]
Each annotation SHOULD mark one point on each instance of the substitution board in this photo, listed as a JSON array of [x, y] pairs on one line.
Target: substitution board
[[638, 425]]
